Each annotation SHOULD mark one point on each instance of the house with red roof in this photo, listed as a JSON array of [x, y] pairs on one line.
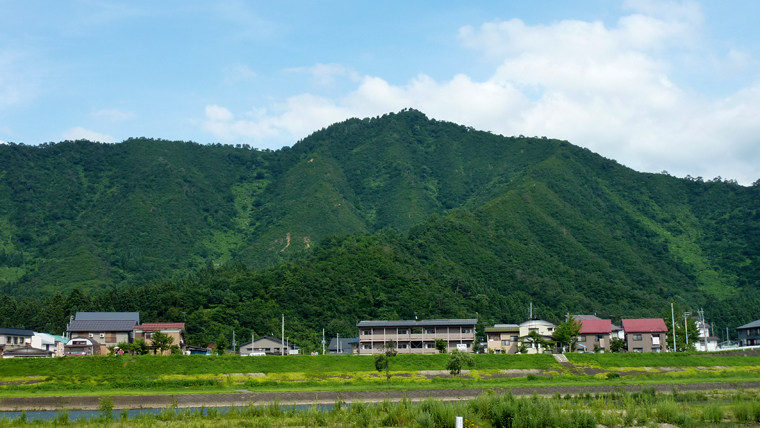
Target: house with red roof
[[595, 335], [175, 330], [645, 334]]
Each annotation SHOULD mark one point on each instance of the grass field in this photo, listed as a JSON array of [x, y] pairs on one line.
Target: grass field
[[619, 409], [210, 374]]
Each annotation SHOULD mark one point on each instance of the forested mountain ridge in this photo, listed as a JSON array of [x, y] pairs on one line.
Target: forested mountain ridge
[[483, 224]]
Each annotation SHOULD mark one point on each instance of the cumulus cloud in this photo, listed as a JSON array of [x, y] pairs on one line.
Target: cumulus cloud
[[113, 115], [608, 88], [237, 73], [80, 133], [326, 74]]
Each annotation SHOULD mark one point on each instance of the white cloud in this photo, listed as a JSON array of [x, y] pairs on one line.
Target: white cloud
[[80, 133], [113, 115], [238, 73], [3, 143], [326, 74], [608, 88]]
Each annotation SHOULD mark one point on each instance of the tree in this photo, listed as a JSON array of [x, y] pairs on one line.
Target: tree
[[140, 347], [160, 341], [457, 360], [616, 344], [567, 333], [221, 345], [535, 340], [441, 346], [383, 361]]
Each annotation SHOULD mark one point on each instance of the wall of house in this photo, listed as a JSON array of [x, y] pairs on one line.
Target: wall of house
[[503, 342], [645, 343], [749, 336], [591, 341]]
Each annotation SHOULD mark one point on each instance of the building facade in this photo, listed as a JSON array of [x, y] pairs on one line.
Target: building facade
[[503, 338], [543, 328], [594, 335], [175, 330], [269, 345], [416, 337], [645, 334], [749, 334]]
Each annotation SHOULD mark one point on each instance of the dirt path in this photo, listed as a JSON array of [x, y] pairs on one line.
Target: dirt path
[[329, 397]]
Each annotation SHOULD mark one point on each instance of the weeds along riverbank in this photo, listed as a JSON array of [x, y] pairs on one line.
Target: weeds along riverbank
[[618, 409]]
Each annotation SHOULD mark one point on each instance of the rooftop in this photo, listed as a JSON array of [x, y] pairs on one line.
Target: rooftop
[[108, 316], [419, 323], [753, 324], [645, 325], [101, 326], [153, 326], [16, 331], [596, 326]]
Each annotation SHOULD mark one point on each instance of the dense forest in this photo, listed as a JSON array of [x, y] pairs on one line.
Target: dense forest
[[389, 217]]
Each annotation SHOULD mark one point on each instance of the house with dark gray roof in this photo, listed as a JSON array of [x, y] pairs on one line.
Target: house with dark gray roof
[[341, 346], [104, 333], [12, 338], [749, 334], [109, 316], [416, 336]]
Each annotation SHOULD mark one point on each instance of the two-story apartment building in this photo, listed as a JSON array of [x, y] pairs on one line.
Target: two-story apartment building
[[749, 334], [543, 328], [503, 338], [594, 335], [416, 337], [645, 334]]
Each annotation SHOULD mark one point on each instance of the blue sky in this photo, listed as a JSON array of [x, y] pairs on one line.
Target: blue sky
[[656, 85]]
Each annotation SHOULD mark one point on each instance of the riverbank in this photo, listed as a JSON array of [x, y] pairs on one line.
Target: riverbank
[[247, 398]]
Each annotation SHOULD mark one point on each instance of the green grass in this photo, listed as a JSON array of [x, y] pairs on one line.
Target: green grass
[[660, 360]]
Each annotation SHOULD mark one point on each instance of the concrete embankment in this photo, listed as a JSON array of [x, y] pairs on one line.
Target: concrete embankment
[[328, 397]]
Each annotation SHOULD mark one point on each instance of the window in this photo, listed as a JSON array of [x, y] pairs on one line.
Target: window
[[367, 333], [403, 345], [638, 350], [466, 330], [430, 346], [367, 346], [582, 338], [148, 335], [403, 331], [513, 338], [505, 343], [656, 340], [8, 340], [491, 338], [636, 337], [430, 331], [599, 337]]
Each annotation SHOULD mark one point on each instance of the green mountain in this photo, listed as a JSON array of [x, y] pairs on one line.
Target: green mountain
[[374, 218]]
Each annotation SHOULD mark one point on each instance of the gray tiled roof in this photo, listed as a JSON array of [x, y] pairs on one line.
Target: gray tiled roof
[[753, 324], [16, 332], [101, 326], [108, 316], [415, 323]]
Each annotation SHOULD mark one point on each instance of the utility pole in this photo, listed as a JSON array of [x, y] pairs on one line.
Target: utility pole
[[282, 348], [323, 341], [233, 341], [704, 326], [337, 343], [252, 348], [673, 320], [686, 328]]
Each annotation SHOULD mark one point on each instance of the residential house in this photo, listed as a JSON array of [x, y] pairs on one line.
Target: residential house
[[81, 346], [13, 338], [108, 316], [416, 337], [594, 335], [268, 345], [103, 333], [705, 338], [502, 338], [48, 342], [175, 330], [645, 334], [543, 328], [749, 334], [341, 346]]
